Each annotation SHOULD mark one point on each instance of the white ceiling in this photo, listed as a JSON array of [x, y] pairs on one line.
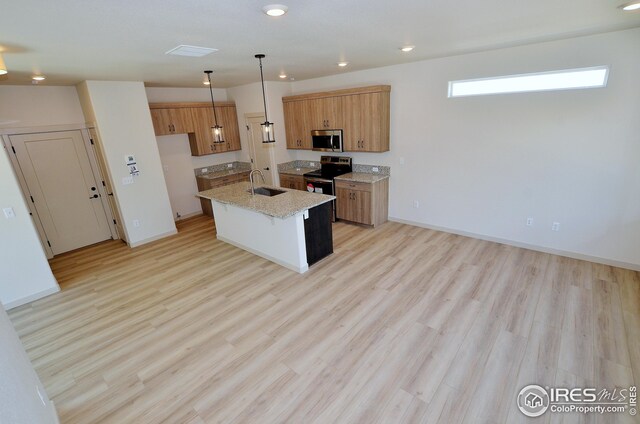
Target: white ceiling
[[74, 40]]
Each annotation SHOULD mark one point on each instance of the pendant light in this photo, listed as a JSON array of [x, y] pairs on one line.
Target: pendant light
[[216, 130], [267, 127]]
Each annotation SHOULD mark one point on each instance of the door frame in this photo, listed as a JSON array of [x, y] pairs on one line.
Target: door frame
[[275, 178], [24, 189]]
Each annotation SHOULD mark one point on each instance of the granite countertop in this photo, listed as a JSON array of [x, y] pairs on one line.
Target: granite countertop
[[297, 171], [224, 173], [282, 206], [361, 177]]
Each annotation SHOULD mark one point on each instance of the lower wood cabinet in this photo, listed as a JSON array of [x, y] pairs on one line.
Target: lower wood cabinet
[[209, 183], [363, 203], [292, 181]]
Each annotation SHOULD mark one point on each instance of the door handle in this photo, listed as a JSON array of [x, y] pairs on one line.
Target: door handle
[[95, 196]]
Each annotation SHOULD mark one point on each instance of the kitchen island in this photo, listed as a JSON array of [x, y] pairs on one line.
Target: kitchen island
[[289, 227]]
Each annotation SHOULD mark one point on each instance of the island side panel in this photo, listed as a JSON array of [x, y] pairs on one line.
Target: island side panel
[[279, 240], [319, 233]]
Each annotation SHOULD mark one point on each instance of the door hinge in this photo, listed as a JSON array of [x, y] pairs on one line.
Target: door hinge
[[14, 150], [32, 201], [91, 140], [49, 243], [114, 222], [103, 184]]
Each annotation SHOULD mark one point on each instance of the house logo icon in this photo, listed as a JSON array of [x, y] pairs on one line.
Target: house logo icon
[[533, 400]]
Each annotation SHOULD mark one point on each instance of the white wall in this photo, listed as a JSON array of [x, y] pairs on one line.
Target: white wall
[[34, 106], [175, 154], [482, 165], [24, 271], [19, 383], [248, 99], [121, 114]]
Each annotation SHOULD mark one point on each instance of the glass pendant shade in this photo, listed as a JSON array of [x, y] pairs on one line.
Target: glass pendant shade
[[267, 132], [216, 130], [216, 133]]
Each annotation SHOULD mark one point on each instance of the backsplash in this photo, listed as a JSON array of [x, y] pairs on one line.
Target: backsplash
[[222, 167], [368, 169], [298, 164]]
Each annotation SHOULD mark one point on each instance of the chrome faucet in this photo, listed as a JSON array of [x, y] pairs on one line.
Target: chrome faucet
[[253, 193]]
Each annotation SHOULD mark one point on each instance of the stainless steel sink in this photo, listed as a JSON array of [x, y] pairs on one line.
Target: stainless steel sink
[[265, 191]]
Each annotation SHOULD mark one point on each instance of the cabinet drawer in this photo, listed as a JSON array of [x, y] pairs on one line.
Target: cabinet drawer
[[348, 185]]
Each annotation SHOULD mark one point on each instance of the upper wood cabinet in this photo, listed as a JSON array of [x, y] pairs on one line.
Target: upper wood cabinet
[[366, 122], [362, 113], [296, 126], [196, 120], [171, 121]]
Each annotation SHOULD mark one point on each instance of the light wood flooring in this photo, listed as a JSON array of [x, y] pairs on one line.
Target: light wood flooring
[[400, 325]]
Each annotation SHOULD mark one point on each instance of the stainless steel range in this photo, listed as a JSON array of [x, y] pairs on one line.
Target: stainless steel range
[[321, 181]]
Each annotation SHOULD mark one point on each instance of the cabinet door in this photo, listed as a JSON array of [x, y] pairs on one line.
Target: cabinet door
[[296, 126], [343, 204], [229, 119], [172, 121], [354, 205], [366, 122], [202, 141], [161, 121], [181, 120], [324, 113]]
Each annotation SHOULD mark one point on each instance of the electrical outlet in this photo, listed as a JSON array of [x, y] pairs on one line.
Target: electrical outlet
[[555, 226], [375, 169], [229, 165], [9, 213], [312, 164], [416, 204], [127, 180], [203, 170], [136, 223], [529, 222]]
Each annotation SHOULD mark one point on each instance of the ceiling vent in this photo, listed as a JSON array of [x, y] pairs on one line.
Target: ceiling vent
[[192, 51]]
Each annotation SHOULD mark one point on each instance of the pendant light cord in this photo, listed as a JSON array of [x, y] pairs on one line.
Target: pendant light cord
[[213, 105], [264, 98]]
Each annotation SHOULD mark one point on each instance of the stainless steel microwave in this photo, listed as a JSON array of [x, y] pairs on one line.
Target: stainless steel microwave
[[326, 140]]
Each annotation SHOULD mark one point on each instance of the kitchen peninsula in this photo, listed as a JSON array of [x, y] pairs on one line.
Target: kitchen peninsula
[[289, 227]]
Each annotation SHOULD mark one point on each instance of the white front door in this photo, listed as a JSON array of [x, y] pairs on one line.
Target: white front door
[[64, 191], [261, 153]]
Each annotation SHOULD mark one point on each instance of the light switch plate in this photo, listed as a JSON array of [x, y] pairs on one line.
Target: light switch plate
[[127, 180], [229, 165], [203, 170], [9, 213], [375, 169]]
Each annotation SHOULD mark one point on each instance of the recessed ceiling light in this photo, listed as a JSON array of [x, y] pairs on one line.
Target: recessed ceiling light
[[283, 76], [635, 5], [38, 77], [275, 9], [342, 64], [407, 48]]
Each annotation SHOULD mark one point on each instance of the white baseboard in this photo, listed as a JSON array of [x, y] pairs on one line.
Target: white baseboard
[[188, 215], [31, 297], [568, 254], [292, 267], [154, 238]]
